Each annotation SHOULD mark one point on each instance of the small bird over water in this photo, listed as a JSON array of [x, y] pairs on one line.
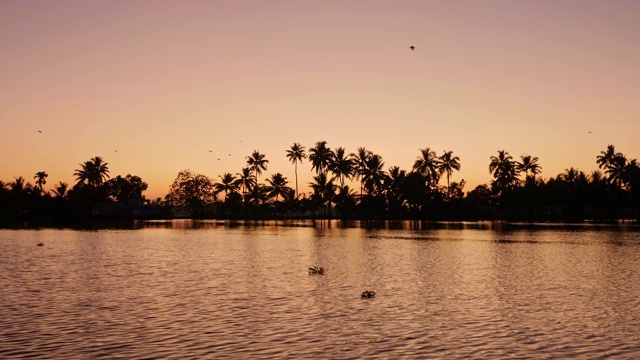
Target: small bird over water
[[413, 48]]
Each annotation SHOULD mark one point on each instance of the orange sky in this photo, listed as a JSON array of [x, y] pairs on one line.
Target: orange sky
[[165, 82]]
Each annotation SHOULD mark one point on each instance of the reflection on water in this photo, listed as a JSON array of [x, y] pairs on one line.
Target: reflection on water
[[242, 289]]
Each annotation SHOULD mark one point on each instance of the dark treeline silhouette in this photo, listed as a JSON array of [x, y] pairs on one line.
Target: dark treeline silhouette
[[425, 192]]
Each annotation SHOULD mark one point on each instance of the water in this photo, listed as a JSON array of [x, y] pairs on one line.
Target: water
[[222, 291]]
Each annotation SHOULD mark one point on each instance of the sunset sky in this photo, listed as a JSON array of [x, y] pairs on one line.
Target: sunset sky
[[166, 82]]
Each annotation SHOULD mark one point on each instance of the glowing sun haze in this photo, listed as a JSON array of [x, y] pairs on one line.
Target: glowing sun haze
[[175, 85]]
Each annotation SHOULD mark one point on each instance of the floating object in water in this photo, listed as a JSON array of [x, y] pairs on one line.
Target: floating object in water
[[368, 294], [40, 244], [316, 270]]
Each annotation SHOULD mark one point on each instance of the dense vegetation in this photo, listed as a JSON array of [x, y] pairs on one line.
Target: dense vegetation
[[425, 192]]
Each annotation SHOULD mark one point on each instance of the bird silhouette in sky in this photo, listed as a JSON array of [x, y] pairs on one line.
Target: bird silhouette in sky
[[210, 151], [40, 131], [218, 159], [413, 48]]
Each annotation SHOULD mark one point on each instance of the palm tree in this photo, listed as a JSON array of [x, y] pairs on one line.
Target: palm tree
[[373, 176], [60, 190], [295, 154], [278, 186], [228, 183], [41, 179], [246, 180], [320, 156], [503, 169], [606, 158], [529, 163], [615, 169], [427, 164], [324, 189], [257, 163], [341, 165], [360, 158], [448, 163], [92, 172], [20, 185]]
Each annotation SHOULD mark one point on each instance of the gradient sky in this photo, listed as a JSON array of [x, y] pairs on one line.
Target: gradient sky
[[164, 82]]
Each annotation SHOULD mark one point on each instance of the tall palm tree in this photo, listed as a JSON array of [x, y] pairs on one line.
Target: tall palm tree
[[427, 164], [257, 162], [41, 179], [448, 163], [341, 165], [360, 158], [93, 172], [60, 190], [503, 169], [228, 183], [278, 186], [295, 154], [528, 163], [320, 156], [246, 180]]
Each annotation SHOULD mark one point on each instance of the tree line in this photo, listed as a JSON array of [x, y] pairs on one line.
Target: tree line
[[424, 192]]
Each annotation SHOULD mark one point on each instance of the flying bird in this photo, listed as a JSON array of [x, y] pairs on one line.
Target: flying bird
[[210, 151], [40, 131], [413, 48]]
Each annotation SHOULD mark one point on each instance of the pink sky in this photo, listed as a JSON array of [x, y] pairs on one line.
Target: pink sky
[[165, 82]]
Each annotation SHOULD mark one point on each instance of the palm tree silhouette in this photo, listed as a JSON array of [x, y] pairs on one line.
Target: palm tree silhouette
[[615, 170], [373, 176], [246, 180], [228, 183], [295, 154], [323, 188], [341, 165], [320, 156], [427, 164], [278, 186], [360, 158], [448, 163], [528, 163], [503, 169], [92, 172], [257, 163], [60, 190], [41, 179], [606, 158]]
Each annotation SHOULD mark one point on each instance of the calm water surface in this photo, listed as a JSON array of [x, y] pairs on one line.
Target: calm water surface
[[220, 291]]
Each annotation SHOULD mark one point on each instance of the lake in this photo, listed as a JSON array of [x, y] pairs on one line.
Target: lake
[[184, 289]]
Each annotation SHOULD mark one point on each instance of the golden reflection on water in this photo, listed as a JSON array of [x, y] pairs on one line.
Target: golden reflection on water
[[235, 290]]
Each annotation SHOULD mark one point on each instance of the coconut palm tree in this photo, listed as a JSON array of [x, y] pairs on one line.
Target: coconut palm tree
[[606, 158], [41, 179], [341, 165], [373, 176], [295, 154], [503, 169], [427, 164], [228, 183], [246, 180], [323, 188], [360, 158], [615, 169], [60, 190], [93, 172], [320, 157], [446, 164], [528, 163], [257, 162], [278, 186]]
